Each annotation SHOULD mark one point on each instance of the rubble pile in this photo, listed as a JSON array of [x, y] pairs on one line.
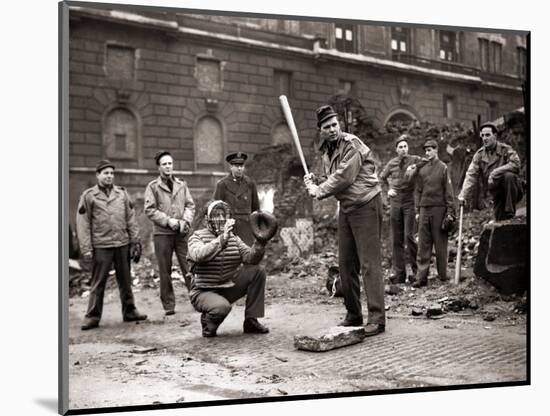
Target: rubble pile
[[144, 275]]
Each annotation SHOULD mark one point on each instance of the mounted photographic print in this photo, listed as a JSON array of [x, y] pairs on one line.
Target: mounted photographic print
[[262, 208]]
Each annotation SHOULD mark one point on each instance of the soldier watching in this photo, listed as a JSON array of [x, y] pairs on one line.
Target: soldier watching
[[497, 165], [240, 192], [434, 201], [169, 205], [402, 211], [108, 232]]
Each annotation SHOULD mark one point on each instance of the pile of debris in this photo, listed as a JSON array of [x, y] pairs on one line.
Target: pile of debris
[[144, 275]]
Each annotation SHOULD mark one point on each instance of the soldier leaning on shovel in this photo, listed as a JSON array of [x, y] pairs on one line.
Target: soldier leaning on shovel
[[108, 232]]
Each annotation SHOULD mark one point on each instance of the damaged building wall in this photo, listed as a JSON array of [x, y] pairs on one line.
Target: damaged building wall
[[139, 87]]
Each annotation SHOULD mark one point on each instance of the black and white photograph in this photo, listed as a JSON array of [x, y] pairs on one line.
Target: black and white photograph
[[257, 208]]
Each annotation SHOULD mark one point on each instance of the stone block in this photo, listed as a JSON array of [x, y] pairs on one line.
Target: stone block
[[326, 340], [502, 256]]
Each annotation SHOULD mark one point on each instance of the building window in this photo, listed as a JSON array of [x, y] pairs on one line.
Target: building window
[[282, 82], [209, 74], [120, 134], [484, 54], [209, 144], [496, 56], [492, 110], [120, 62], [447, 46], [521, 62], [400, 41], [449, 105], [345, 87], [345, 37]]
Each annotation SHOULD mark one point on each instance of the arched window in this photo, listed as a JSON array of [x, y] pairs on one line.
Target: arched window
[[120, 134], [281, 134], [209, 144], [400, 117]]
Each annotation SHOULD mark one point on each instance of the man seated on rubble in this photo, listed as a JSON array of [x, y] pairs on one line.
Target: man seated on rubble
[[497, 165], [225, 269]]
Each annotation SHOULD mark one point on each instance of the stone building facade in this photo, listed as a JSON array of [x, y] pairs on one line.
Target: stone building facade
[[201, 86]]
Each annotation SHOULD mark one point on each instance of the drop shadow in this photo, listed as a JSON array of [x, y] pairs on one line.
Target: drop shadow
[[50, 404]]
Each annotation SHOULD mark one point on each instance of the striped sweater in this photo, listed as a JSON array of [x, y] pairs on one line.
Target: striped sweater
[[214, 265]]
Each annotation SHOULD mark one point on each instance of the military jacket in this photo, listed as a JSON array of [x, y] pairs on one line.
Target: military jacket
[[105, 221], [241, 195]]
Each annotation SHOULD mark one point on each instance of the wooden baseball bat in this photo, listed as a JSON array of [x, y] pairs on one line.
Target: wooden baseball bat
[[293, 131]]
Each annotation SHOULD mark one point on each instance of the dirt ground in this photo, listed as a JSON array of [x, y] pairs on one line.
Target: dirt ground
[[165, 359]]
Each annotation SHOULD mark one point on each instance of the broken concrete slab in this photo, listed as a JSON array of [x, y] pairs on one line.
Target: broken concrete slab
[[503, 255], [329, 339]]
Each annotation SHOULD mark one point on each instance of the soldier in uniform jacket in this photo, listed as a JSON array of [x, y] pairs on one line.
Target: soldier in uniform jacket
[[434, 200], [402, 211], [350, 173], [240, 192], [497, 165], [108, 232]]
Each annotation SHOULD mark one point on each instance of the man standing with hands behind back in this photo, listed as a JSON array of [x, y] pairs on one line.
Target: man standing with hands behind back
[[169, 205], [351, 178]]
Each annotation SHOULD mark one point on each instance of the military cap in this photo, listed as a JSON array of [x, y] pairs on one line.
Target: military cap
[[430, 143], [161, 154], [237, 158], [402, 138], [492, 126], [102, 164], [324, 113]]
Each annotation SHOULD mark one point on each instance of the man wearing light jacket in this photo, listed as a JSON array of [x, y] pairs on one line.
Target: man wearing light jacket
[[169, 205], [108, 233], [351, 178]]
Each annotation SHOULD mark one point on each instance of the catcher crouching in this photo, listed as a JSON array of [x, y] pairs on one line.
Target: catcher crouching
[[225, 269]]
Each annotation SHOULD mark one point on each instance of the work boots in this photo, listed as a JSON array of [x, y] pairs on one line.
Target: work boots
[[133, 315], [252, 326], [210, 325], [89, 323]]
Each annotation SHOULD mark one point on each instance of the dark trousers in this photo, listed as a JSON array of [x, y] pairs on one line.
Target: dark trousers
[[359, 234], [430, 234], [403, 224], [165, 246], [507, 192], [102, 262], [216, 303]]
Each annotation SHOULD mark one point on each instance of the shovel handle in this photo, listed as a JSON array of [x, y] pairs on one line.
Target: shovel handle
[[459, 247]]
